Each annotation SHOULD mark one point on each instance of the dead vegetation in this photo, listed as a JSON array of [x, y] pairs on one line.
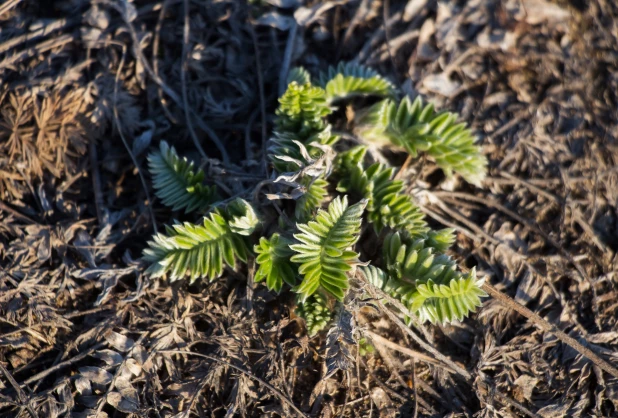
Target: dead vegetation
[[88, 86]]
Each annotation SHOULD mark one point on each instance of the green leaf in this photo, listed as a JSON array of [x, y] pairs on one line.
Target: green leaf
[[176, 183], [299, 76], [387, 206], [309, 202], [348, 160], [195, 251], [417, 128], [375, 276], [441, 240], [316, 312], [448, 302], [323, 249], [242, 219], [410, 259], [350, 79], [425, 281], [273, 257], [301, 111]]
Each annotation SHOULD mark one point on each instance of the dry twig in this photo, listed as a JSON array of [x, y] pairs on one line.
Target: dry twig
[[547, 327]]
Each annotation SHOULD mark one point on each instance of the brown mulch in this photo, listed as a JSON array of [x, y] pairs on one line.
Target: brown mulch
[[88, 88]]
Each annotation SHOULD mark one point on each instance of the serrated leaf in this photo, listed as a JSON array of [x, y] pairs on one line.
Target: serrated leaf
[[387, 206], [310, 201], [176, 182], [275, 267], [337, 228], [350, 79], [299, 76], [425, 281], [242, 217], [301, 110], [415, 127], [196, 251], [316, 313]]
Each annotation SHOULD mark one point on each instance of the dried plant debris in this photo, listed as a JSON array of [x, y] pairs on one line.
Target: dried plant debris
[[90, 89]]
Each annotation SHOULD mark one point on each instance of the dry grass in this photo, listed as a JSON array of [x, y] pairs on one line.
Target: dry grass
[[88, 86]]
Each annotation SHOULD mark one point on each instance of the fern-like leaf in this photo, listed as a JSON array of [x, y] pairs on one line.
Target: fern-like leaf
[[301, 111], [351, 158], [457, 152], [323, 251], [316, 312], [411, 259], [309, 202], [405, 124], [417, 127], [431, 301], [388, 205], [427, 282], [299, 75], [350, 79], [442, 239], [273, 257], [241, 217], [289, 153], [375, 276], [448, 302], [177, 183], [196, 251]]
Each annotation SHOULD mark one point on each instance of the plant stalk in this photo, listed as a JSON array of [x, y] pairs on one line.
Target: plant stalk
[[546, 326]]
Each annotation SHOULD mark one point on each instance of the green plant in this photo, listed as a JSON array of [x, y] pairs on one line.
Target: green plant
[[387, 205], [365, 347], [322, 197], [176, 183], [196, 251], [417, 128], [315, 192], [273, 257], [324, 254], [302, 110], [315, 311], [348, 80], [427, 282]]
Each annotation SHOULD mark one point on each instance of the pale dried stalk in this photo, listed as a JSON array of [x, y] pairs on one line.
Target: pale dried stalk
[[51, 370], [378, 295], [8, 6], [23, 398], [287, 59], [378, 339], [547, 327], [43, 32]]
